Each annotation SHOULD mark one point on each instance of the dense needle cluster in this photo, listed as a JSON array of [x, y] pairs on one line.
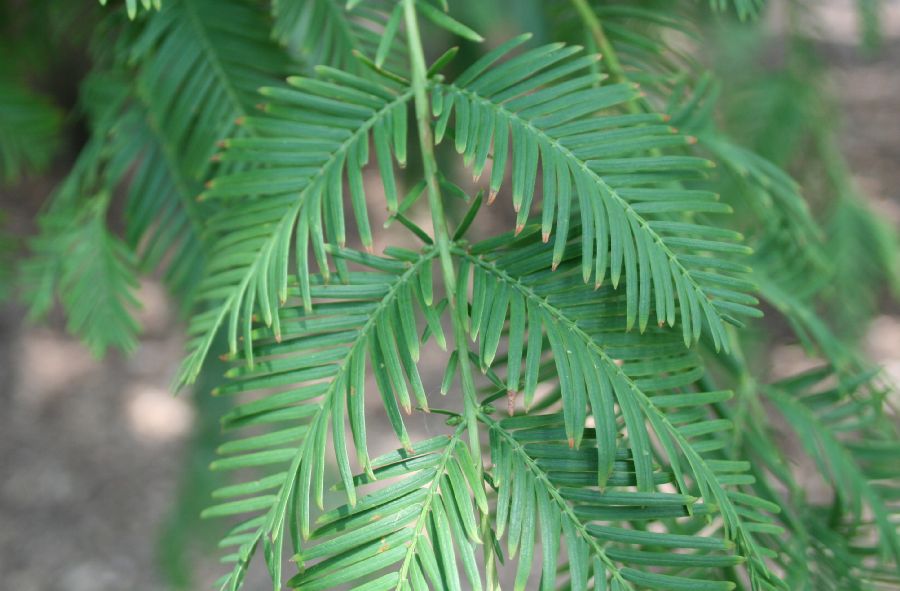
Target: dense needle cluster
[[607, 422]]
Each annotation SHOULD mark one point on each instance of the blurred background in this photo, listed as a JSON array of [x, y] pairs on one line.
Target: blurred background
[[104, 470]]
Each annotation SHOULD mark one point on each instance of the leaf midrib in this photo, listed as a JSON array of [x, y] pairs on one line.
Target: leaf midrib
[[213, 57], [541, 476], [190, 374], [625, 205], [272, 520], [439, 471], [729, 512]]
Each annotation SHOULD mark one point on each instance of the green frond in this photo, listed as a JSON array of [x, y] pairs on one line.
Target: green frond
[[746, 9], [440, 18], [307, 378], [41, 272], [198, 78], [639, 45], [163, 222], [778, 114], [642, 449], [328, 32], [864, 252], [29, 127], [792, 286], [311, 136], [801, 279], [768, 202], [547, 490], [92, 272], [648, 48], [596, 169], [402, 535], [779, 210], [128, 152], [841, 425], [600, 365], [131, 6]]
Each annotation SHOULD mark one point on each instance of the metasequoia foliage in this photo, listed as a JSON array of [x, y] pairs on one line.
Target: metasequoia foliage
[[605, 422]]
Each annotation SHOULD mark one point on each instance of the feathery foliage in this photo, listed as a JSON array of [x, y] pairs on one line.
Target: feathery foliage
[[29, 126], [132, 6], [627, 217], [298, 173], [93, 272], [313, 133]]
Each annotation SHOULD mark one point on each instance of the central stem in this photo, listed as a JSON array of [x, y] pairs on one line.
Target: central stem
[[426, 141], [613, 65], [603, 46], [439, 221]]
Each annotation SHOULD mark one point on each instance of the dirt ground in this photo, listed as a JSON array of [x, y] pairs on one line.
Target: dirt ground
[[92, 452]]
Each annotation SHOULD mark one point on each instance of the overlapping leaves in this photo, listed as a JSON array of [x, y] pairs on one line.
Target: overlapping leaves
[[854, 445], [547, 493], [328, 32], [304, 384], [29, 126], [92, 271], [650, 378], [200, 72], [412, 532], [595, 170], [630, 471], [744, 8], [163, 223], [311, 137], [131, 6]]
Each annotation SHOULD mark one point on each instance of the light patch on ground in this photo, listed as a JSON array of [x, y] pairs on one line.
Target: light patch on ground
[[49, 364], [883, 345], [789, 360], [155, 313], [155, 415]]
